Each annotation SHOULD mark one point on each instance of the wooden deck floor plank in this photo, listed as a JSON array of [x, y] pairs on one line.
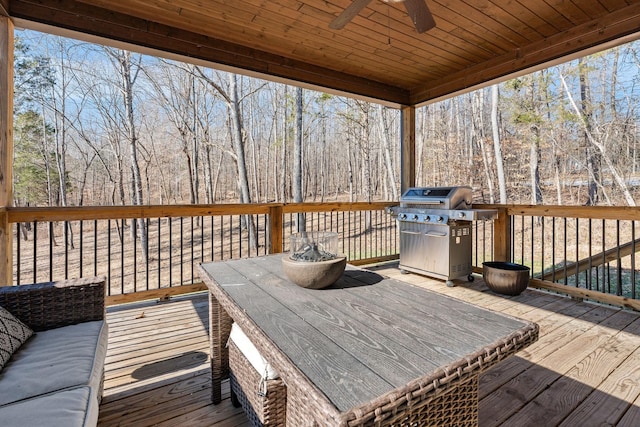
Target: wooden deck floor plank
[[631, 418], [131, 389], [148, 366], [116, 408], [160, 344], [224, 414], [500, 374], [137, 324], [157, 341], [557, 402], [502, 404], [607, 404]]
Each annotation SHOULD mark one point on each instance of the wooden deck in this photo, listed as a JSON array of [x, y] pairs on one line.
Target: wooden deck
[[583, 371]]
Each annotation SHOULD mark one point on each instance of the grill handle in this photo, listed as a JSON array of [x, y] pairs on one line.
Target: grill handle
[[432, 233]]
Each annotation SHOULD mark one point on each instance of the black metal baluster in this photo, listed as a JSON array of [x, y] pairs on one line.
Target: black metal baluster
[[65, 234], [134, 227], [565, 251], [51, 237], [553, 250], [81, 245], [605, 279], [521, 240], [170, 252], [231, 237], [201, 220], [35, 251], [542, 245], [181, 250], [633, 259], [109, 253], [577, 274], [95, 248], [588, 277], [222, 237], [212, 239], [122, 234], [148, 223], [159, 253], [619, 261], [18, 253]]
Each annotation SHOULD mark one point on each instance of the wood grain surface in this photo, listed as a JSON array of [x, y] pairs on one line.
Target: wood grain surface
[[364, 336]]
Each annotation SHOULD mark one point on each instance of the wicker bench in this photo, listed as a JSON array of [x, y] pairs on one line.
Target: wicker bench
[[56, 376], [255, 386]]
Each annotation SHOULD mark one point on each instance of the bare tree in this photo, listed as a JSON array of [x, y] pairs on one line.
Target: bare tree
[[497, 145], [128, 69], [599, 146]]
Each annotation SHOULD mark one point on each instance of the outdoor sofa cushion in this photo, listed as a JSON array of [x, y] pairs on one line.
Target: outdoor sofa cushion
[[55, 359], [13, 333], [69, 408]]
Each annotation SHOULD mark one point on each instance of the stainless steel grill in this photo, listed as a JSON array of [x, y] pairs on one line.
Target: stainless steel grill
[[435, 231]]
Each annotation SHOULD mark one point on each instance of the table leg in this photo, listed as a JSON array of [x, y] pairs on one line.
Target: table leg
[[219, 330]]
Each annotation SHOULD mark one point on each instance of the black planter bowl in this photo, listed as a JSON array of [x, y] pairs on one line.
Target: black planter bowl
[[505, 278]]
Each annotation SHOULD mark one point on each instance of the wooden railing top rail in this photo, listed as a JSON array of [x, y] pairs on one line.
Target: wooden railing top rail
[[593, 212], [29, 214], [76, 213]]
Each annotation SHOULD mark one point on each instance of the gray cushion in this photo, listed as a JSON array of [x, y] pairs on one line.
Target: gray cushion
[[76, 407], [13, 333], [54, 360]]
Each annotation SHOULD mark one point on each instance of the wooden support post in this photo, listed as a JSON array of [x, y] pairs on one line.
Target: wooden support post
[[502, 236], [275, 229], [407, 148], [6, 148]]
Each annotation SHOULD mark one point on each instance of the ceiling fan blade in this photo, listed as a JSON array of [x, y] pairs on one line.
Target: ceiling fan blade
[[420, 15], [348, 14]]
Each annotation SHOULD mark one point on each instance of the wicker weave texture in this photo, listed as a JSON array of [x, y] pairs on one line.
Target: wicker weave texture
[[51, 305], [219, 330], [263, 401]]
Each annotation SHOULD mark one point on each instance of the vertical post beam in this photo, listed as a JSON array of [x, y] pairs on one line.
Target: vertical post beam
[[6, 148], [407, 148], [275, 229], [502, 236]]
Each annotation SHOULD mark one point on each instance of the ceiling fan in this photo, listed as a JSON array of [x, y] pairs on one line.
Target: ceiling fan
[[417, 10]]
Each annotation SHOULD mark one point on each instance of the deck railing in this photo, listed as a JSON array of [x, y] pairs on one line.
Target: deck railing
[[584, 252], [157, 247]]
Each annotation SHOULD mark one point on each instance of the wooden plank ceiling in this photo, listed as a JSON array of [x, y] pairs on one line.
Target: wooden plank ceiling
[[377, 55]]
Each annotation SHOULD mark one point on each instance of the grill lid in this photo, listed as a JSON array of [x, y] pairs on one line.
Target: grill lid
[[438, 197]]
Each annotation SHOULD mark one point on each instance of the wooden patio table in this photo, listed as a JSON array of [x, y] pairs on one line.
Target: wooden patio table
[[368, 350]]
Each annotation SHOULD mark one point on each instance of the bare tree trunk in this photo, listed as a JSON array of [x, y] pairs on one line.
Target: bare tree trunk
[[237, 138], [386, 143], [478, 128], [593, 159], [497, 144], [128, 81], [297, 161], [283, 151]]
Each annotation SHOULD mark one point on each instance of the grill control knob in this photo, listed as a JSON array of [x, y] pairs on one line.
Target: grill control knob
[[461, 215], [402, 216], [440, 219], [427, 218], [415, 217]]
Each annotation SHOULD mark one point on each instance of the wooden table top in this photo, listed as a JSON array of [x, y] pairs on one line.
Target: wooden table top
[[364, 336]]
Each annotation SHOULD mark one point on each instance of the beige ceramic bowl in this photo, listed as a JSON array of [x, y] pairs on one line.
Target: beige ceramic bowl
[[314, 275]]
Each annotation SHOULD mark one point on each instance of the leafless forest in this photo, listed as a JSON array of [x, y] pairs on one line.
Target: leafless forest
[[101, 126]]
